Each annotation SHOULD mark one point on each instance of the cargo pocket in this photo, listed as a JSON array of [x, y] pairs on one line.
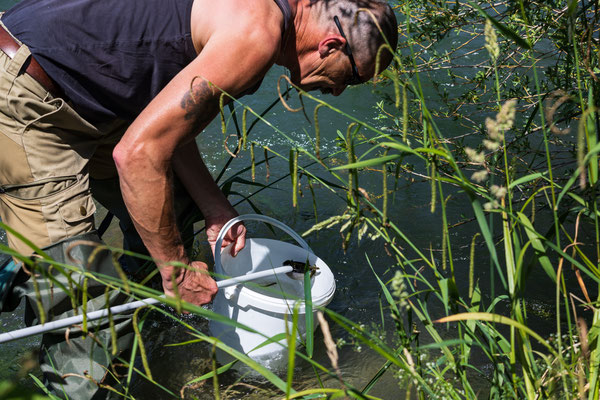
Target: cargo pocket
[[29, 109], [48, 116], [78, 214]]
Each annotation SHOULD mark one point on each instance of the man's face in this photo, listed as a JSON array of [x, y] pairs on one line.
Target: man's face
[[330, 74]]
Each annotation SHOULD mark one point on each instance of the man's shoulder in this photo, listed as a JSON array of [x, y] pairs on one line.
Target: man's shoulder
[[256, 20], [236, 42]]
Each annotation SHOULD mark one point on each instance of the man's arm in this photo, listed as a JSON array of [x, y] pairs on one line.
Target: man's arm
[[145, 155], [192, 171]]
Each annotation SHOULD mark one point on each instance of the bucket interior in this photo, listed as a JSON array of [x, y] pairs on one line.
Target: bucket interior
[[278, 287]]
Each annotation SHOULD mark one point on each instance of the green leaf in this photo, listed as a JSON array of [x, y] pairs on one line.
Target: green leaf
[[291, 338], [449, 291], [536, 243], [308, 312], [445, 343], [397, 146], [572, 7], [486, 233], [525, 179], [591, 136], [12, 391], [368, 163], [384, 289], [444, 293], [481, 316]]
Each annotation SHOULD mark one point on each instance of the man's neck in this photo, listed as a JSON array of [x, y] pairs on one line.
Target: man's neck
[[300, 39]]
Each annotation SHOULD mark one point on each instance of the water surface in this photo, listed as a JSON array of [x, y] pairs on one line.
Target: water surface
[[358, 295]]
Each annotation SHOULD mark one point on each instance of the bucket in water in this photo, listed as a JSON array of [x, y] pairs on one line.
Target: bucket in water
[[263, 304]]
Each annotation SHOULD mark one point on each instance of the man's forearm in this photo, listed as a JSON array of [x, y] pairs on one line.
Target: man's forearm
[[148, 195], [191, 170], [217, 210]]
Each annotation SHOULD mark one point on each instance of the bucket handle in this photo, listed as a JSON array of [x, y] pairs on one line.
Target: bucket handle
[[254, 217]]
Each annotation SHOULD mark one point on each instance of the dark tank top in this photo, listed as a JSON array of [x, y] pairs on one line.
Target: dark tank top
[[110, 57]]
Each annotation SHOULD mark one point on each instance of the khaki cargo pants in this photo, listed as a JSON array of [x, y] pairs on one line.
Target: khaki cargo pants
[[51, 160]]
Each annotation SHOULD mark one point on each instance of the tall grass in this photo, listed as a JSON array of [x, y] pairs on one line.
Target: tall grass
[[528, 206]]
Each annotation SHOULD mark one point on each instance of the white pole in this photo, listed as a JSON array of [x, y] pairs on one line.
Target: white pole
[[94, 315]]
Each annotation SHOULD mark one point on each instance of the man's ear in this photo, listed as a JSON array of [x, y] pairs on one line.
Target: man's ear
[[330, 44]]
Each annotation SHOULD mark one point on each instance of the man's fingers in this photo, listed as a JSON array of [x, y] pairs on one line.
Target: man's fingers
[[239, 235], [238, 245], [196, 287]]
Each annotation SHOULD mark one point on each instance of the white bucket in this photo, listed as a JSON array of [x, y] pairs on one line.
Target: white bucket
[[263, 304]]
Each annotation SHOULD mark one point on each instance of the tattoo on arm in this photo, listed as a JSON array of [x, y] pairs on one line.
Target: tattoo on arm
[[200, 104]]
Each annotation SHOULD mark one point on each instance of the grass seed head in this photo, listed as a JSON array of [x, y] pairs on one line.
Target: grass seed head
[[480, 176], [491, 40], [498, 191], [491, 145], [506, 116], [475, 156]]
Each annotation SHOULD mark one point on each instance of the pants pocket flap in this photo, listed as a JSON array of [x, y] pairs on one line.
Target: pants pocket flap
[[77, 209]]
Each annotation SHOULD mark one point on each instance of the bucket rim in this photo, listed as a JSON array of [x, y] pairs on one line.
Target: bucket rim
[[267, 303]]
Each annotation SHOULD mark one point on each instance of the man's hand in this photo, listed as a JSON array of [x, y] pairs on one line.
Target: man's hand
[[236, 235], [194, 285]]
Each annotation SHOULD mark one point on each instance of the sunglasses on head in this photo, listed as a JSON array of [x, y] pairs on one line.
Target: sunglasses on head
[[355, 80]]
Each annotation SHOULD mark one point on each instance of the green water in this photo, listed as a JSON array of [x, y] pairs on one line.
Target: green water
[[358, 293], [6, 4]]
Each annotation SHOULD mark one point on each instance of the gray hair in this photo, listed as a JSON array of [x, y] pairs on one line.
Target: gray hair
[[363, 35]]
